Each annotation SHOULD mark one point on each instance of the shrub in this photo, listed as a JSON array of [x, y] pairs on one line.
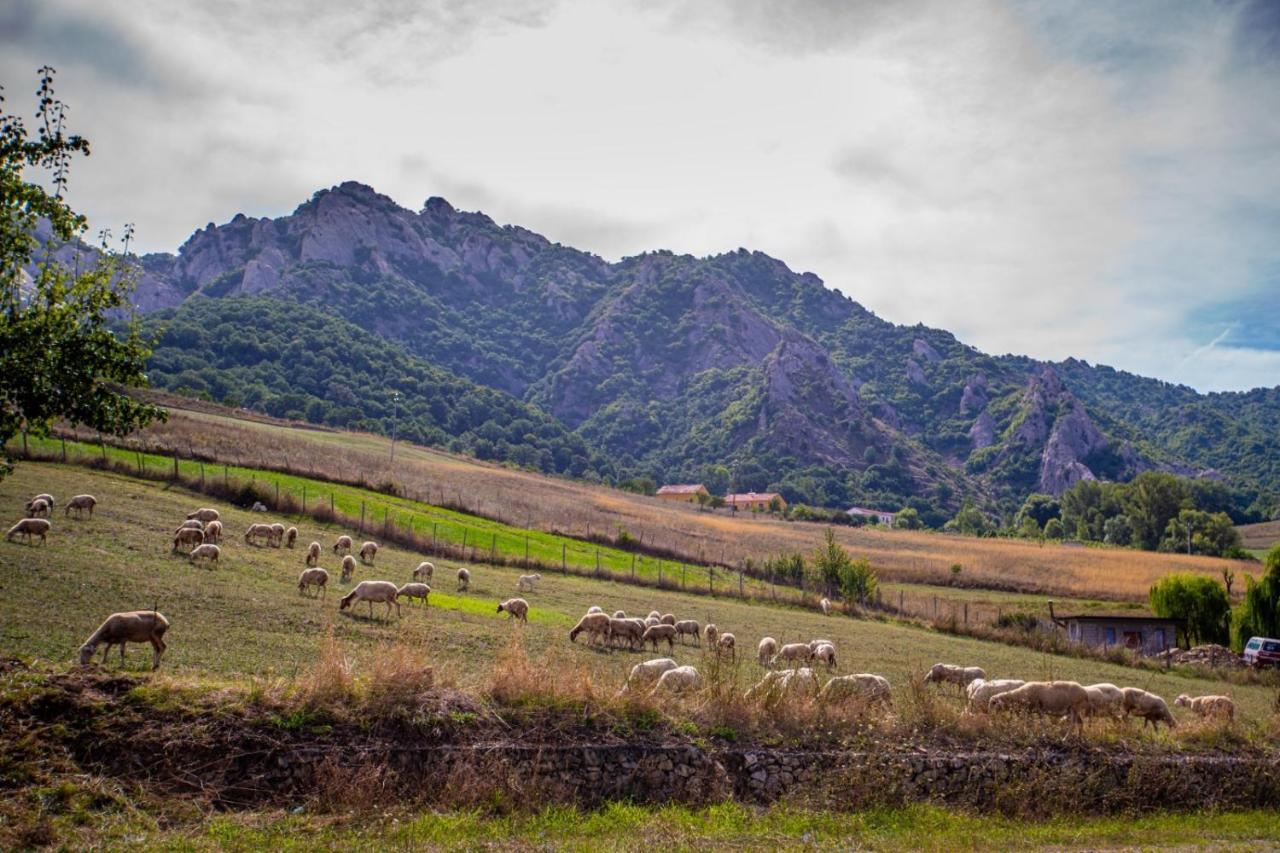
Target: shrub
[[1201, 603]]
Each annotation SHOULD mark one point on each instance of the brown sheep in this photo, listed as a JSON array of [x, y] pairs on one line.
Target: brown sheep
[[313, 554], [187, 536], [290, 537], [138, 626], [29, 527], [659, 632]]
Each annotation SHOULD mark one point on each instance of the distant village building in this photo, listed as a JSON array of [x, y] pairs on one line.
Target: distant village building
[[687, 493], [880, 516], [762, 501], [1147, 635]]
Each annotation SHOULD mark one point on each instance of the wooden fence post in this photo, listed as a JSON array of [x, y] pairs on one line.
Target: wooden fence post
[[526, 550], [564, 553], [966, 613], [202, 476], [64, 450], [740, 592], [633, 565], [493, 544], [331, 509], [304, 498], [433, 535], [682, 575], [361, 527], [175, 465]]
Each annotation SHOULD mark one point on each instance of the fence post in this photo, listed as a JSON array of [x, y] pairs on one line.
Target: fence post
[[659, 572], [433, 535], [226, 477], [633, 565], [493, 544], [464, 539], [361, 527], [24, 445], [202, 476], [304, 498], [711, 579], [740, 592], [966, 613], [597, 562], [64, 450], [682, 575], [331, 509], [175, 465], [564, 553], [277, 494], [935, 607]]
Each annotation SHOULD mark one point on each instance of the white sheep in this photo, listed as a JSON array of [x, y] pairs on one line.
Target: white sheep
[[29, 527], [464, 580], [862, 685], [826, 653], [595, 625], [313, 577], [37, 508], [290, 537], [416, 590], [668, 619], [595, 608], [187, 536], [342, 544], [710, 634], [1150, 707], [784, 683], [384, 592], [191, 524], [813, 644], [981, 691], [348, 568], [137, 626], [957, 675], [424, 570], [689, 628], [313, 554], [255, 532], [650, 621], [526, 582], [47, 498], [677, 680], [80, 503], [517, 608], [619, 614], [653, 614], [277, 535], [793, 652], [205, 514], [368, 551], [644, 674], [1066, 699], [1214, 706], [825, 604], [206, 551], [1105, 700], [656, 633], [727, 643], [765, 651], [213, 531], [631, 630]]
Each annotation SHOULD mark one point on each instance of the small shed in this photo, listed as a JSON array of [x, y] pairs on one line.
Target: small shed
[[685, 492], [758, 501], [1147, 635]]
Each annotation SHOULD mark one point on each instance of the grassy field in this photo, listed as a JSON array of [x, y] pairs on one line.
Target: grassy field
[[1260, 538], [525, 499], [246, 618]]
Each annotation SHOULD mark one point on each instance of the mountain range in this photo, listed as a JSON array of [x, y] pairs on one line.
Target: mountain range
[[731, 369]]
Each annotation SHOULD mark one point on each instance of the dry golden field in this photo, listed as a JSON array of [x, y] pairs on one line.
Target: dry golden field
[[1260, 537], [548, 503]]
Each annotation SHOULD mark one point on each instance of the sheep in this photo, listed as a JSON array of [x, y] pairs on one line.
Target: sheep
[[277, 535], [677, 680], [727, 643], [957, 675], [205, 552], [814, 644], [464, 580], [650, 621], [655, 633], [653, 614], [1105, 700], [313, 554], [187, 536], [254, 532], [517, 608], [80, 503], [424, 570], [191, 524], [213, 531], [643, 674], [290, 537], [382, 591], [766, 650], [348, 568], [710, 634], [595, 608], [793, 651], [631, 630], [38, 507], [1055, 698], [981, 691], [667, 619], [313, 577], [416, 590], [827, 654], [137, 626], [619, 614], [47, 498], [689, 628], [368, 551], [526, 582], [258, 506], [863, 685], [1214, 706], [342, 543], [29, 527], [825, 604], [205, 514], [1150, 707], [784, 683], [596, 625]]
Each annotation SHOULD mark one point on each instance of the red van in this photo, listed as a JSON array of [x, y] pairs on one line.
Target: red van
[[1262, 651]]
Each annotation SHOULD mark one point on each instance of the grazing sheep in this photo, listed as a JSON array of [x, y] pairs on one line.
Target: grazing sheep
[[689, 628], [29, 527], [619, 614], [47, 498], [38, 507], [342, 543], [80, 503], [258, 506], [957, 675], [205, 552], [981, 691], [255, 532], [595, 608], [313, 577], [631, 630], [793, 652], [827, 654], [368, 551], [1053, 698], [1208, 706], [644, 674], [825, 604], [1105, 700], [727, 643], [650, 621], [668, 619], [290, 537], [711, 634], [416, 590], [187, 536], [814, 644], [424, 570], [677, 680], [1150, 707], [213, 531], [655, 633], [191, 524], [137, 626], [277, 535], [380, 591], [205, 514], [766, 650], [596, 626], [517, 608], [313, 554], [784, 683], [348, 568], [863, 685], [464, 580], [526, 582], [653, 614]]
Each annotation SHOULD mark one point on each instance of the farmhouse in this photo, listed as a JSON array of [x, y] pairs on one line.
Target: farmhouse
[[686, 492], [761, 501], [1148, 635], [880, 516]]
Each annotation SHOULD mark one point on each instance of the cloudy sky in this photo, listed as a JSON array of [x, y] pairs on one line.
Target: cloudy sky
[[1058, 178]]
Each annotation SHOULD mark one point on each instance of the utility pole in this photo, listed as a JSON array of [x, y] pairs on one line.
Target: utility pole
[[395, 416]]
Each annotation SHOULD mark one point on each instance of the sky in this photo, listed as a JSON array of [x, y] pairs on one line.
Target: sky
[[1089, 179]]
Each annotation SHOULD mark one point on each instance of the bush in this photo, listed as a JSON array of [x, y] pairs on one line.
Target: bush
[[1201, 603]]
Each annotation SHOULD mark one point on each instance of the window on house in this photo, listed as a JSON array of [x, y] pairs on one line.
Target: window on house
[[1111, 636]]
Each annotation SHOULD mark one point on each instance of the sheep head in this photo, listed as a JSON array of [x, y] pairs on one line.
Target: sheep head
[[86, 653]]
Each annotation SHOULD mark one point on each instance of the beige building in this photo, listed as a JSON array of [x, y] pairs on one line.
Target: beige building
[[688, 493], [762, 501]]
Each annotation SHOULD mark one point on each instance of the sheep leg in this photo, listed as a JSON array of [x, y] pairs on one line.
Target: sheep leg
[[106, 650], [159, 646]]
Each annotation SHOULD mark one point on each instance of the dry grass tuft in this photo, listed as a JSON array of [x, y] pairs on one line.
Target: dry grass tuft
[[517, 681]]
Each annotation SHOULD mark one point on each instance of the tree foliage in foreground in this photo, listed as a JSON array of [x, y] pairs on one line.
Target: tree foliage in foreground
[[1199, 602]]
